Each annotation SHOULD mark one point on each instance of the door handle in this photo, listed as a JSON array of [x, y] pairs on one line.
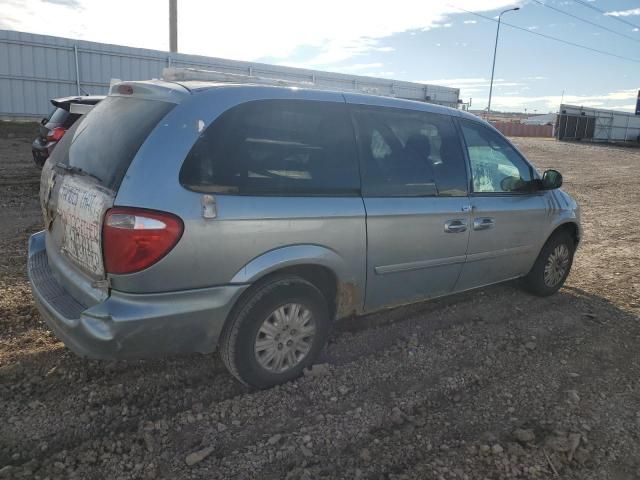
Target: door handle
[[483, 223], [457, 225]]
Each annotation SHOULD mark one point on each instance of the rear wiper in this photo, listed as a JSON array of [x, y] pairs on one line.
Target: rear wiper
[[77, 170]]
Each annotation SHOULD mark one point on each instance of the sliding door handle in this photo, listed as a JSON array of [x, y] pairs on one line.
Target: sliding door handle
[[483, 223], [457, 225]]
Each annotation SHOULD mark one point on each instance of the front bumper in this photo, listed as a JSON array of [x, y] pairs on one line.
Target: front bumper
[[127, 325]]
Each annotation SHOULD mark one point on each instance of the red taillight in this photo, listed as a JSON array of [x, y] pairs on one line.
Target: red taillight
[[134, 239], [55, 134]]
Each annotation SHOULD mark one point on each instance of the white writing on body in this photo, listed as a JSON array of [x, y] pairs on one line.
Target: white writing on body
[[81, 210]]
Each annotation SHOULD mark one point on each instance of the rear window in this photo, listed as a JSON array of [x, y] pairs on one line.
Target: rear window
[[104, 142], [276, 147], [58, 115]]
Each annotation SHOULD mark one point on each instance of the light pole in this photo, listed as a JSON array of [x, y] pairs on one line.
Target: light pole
[[173, 26], [495, 49]]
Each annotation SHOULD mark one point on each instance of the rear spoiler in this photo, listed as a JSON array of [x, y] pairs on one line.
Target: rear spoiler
[[66, 103]]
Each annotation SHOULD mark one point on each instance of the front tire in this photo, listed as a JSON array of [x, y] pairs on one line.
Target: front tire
[[275, 332], [552, 266]]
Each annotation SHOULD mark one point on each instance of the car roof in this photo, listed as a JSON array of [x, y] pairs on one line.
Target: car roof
[[196, 86]]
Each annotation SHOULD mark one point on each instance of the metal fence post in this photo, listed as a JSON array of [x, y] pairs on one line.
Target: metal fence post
[[626, 129], [75, 54]]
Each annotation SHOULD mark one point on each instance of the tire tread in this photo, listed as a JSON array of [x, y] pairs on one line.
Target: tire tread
[[534, 281], [246, 303]]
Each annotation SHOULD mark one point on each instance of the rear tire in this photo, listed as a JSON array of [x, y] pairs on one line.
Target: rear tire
[[275, 332], [552, 266]]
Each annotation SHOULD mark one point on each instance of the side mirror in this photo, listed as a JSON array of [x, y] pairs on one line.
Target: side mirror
[[43, 121], [551, 179]]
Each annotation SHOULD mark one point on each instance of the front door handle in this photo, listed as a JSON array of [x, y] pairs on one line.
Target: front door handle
[[483, 223], [457, 225]]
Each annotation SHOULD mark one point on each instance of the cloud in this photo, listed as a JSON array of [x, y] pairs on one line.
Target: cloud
[[8, 23], [356, 67], [453, 81], [244, 30], [470, 22], [624, 13], [520, 102], [65, 3], [467, 84]]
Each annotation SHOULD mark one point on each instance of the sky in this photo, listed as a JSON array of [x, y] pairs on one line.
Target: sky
[[447, 42]]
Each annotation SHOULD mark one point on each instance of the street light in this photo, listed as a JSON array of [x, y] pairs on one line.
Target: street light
[[495, 49]]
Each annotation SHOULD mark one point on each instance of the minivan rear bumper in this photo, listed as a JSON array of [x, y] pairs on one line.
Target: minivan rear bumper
[[129, 325]]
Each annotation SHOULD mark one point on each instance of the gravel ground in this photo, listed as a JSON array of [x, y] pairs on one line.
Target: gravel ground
[[492, 384]]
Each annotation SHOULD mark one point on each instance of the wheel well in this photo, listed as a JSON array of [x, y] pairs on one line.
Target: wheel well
[[321, 277], [570, 228]]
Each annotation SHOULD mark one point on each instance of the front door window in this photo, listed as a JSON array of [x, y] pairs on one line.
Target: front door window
[[496, 167]]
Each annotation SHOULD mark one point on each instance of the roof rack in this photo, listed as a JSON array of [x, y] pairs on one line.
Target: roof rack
[[323, 80], [173, 74]]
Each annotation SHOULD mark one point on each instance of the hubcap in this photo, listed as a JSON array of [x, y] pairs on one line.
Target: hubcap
[[557, 265], [285, 338]]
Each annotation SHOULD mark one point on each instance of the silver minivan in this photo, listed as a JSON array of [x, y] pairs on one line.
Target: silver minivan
[[183, 217]]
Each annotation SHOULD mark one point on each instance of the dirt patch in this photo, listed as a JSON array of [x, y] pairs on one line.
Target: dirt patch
[[490, 384]]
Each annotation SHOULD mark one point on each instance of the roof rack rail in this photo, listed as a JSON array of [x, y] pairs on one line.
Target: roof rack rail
[[173, 74], [322, 80]]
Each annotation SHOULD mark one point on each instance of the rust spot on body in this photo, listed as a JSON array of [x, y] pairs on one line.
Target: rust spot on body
[[348, 299]]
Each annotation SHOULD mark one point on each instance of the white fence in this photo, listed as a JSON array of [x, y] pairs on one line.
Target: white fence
[[36, 68]]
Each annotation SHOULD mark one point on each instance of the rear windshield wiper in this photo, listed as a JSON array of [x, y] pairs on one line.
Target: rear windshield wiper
[[77, 170]]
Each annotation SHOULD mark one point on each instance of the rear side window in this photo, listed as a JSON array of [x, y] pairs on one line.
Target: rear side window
[[409, 153], [276, 147], [104, 142]]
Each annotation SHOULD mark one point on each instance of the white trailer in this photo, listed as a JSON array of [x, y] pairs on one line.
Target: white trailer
[[596, 124]]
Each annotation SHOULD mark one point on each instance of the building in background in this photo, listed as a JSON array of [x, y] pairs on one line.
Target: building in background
[[597, 125], [36, 68], [547, 119]]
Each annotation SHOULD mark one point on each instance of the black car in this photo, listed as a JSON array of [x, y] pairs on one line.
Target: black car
[[64, 114]]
